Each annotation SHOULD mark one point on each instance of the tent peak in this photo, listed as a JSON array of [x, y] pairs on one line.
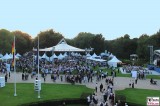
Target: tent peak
[[62, 41]]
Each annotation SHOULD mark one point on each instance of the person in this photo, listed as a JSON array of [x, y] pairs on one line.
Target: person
[[61, 78], [88, 100], [6, 78], [44, 78], [133, 85], [9, 75], [136, 81], [96, 88], [151, 80], [101, 87]]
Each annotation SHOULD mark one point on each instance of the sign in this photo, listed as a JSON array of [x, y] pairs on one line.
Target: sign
[[152, 101], [134, 74]]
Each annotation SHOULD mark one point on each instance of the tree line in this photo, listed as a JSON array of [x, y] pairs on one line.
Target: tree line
[[122, 47]]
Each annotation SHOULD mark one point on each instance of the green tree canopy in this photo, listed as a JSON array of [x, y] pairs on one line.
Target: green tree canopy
[[48, 38]]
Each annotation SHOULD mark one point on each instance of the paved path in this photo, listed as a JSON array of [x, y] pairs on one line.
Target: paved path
[[120, 83]]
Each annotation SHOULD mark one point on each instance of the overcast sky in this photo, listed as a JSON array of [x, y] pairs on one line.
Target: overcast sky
[[111, 18]]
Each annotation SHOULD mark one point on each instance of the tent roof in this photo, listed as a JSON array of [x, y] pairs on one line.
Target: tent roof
[[63, 47], [157, 52], [114, 59]]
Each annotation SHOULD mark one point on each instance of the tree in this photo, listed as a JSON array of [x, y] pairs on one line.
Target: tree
[[98, 43], [142, 49], [6, 39], [48, 38], [83, 40], [23, 42]]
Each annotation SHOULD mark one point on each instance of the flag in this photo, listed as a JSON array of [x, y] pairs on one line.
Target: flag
[[13, 52]]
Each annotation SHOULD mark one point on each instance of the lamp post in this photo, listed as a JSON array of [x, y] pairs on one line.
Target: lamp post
[[52, 55], [151, 54]]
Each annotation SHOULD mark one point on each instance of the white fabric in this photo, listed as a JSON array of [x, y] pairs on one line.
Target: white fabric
[[1, 55], [53, 57], [94, 59], [113, 62], [134, 74], [18, 55], [65, 54], [94, 55], [45, 57], [62, 46], [88, 55], [6, 57], [60, 56]]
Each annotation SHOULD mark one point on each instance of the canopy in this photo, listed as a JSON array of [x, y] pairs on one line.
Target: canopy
[[6, 57], [53, 57], [1, 55], [60, 56], [94, 59], [88, 55], [113, 62], [62, 46], [94, 55], [45, 57], [18, 55], [157, 52]]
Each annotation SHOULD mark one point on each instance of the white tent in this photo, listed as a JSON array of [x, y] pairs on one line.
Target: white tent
[[53, 57], [65, 54], [60, 56], [18, 55], [6, 57], [10, 55], [1, 55], [94, 59], [88, 55], [113, 62], [111, 55], [62, 46], [94, 55], [45, 57]]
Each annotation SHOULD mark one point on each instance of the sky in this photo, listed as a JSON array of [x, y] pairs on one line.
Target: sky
[[111, 18]]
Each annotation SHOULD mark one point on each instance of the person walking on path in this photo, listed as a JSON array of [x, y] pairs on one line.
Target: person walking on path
[[96, 88], [101, 87]]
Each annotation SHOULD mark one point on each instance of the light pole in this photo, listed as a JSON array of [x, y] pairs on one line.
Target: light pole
[[151, 54], [53, 55]]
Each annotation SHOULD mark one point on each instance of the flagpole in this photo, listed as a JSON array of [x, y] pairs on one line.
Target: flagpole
[[38, 69], [15, 94]]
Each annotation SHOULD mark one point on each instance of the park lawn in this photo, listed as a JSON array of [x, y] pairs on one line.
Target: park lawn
[[129, 75], [26, 93], [138, 96]]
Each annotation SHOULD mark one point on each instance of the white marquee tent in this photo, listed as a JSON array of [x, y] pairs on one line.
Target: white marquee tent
[[113, 62], [62, 46]]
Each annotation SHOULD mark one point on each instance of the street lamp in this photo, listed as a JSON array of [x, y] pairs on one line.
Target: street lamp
[[53, 54], [151, 54]]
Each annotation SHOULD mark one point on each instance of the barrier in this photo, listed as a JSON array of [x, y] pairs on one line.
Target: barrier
[[153, 67]]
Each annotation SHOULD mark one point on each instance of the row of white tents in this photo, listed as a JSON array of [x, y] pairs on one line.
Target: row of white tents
[[60, 56], [112, 62], [9, 56]]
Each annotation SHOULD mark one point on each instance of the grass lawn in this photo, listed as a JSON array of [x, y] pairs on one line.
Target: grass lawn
[[138, 96], [26, 93], [129, 75]]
